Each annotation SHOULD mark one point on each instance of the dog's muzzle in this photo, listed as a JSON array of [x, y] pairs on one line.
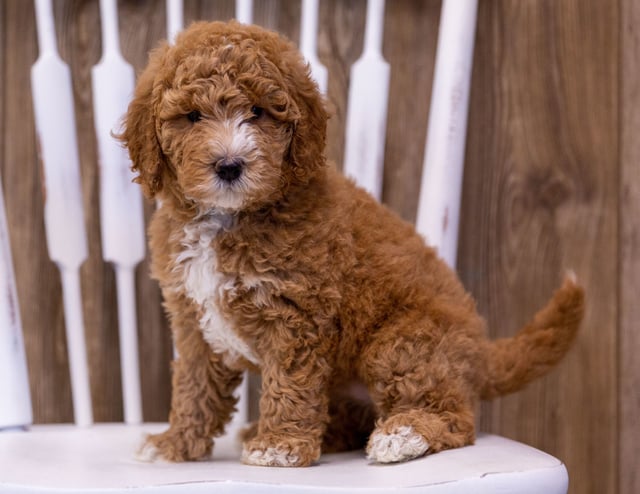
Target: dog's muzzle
[[229, 169]]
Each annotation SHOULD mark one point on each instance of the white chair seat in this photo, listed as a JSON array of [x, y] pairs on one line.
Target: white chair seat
[[54, 458]]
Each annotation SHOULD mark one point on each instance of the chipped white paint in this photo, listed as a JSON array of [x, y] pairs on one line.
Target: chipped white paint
[[403, 444], [204, 284], [15, 406], [441, 189]]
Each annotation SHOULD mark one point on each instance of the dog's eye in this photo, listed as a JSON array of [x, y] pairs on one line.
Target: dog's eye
[[194, 116], [257, 111]]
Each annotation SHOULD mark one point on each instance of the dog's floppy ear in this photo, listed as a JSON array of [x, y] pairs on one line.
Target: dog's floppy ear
[[306, 153], [139, 132]]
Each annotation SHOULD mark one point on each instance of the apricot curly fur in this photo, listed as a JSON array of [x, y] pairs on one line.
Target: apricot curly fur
[[289, 269]]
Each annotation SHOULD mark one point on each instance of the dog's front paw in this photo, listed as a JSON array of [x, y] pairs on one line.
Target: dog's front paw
[[175, 447], [280, 452], [147, 452]]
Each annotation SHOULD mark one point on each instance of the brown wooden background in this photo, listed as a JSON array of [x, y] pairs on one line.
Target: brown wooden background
[[551, 183]]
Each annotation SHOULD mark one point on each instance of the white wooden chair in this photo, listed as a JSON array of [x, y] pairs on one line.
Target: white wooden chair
[[100, 458]]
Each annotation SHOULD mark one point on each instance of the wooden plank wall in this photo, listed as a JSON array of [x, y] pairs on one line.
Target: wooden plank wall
[[541, 197], [629, 248], [551, 183]]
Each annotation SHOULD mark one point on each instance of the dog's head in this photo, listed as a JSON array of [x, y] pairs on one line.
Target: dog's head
[[226, 119]]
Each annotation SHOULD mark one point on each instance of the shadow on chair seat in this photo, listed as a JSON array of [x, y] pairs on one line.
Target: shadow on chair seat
[[101, 459]]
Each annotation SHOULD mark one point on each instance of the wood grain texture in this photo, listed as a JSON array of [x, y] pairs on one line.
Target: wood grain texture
[[551, 183], [340, 42], [37, 279], [629, 213], [540, 197], [142, 25], [79, 45], [410, 39]]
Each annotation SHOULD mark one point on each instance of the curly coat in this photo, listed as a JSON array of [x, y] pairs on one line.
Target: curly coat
[[360, 332]]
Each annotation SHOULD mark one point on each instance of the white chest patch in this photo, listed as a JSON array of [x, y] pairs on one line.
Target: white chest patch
[[204, 284]]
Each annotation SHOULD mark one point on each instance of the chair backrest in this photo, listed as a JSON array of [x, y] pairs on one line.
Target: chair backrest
[[121, 220]]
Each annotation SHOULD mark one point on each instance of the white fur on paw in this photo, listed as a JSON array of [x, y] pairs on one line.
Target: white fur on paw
[[404, 444], [147, 453], [270, 457]]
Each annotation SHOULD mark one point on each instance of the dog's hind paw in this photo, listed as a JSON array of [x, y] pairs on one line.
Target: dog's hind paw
[[403, 444]]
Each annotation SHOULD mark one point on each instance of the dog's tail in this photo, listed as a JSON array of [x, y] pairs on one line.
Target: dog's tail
[[536, 348]]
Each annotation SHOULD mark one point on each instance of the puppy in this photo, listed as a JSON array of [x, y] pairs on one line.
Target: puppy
[[271, 260]]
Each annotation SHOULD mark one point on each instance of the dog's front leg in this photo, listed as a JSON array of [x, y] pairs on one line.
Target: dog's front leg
[[294, 400], [202, 402]]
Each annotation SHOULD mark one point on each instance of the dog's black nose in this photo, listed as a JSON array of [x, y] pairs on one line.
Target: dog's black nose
[[229, 169]]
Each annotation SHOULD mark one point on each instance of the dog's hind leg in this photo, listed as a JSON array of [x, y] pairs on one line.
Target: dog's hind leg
[[420, 383]]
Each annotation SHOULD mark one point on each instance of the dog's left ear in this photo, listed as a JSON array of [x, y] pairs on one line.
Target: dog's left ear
[[306, 153], [139, 134]]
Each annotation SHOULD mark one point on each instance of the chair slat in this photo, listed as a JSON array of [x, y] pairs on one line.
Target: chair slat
[[367, 108], [15, 406], [440, 193], [244, 11], [121, 214], [309, 43], [129, 357], [64, 217], [175, 19], [77, 347]]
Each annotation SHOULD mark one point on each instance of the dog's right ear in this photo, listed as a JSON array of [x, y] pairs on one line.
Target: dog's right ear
[[139, 132]]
